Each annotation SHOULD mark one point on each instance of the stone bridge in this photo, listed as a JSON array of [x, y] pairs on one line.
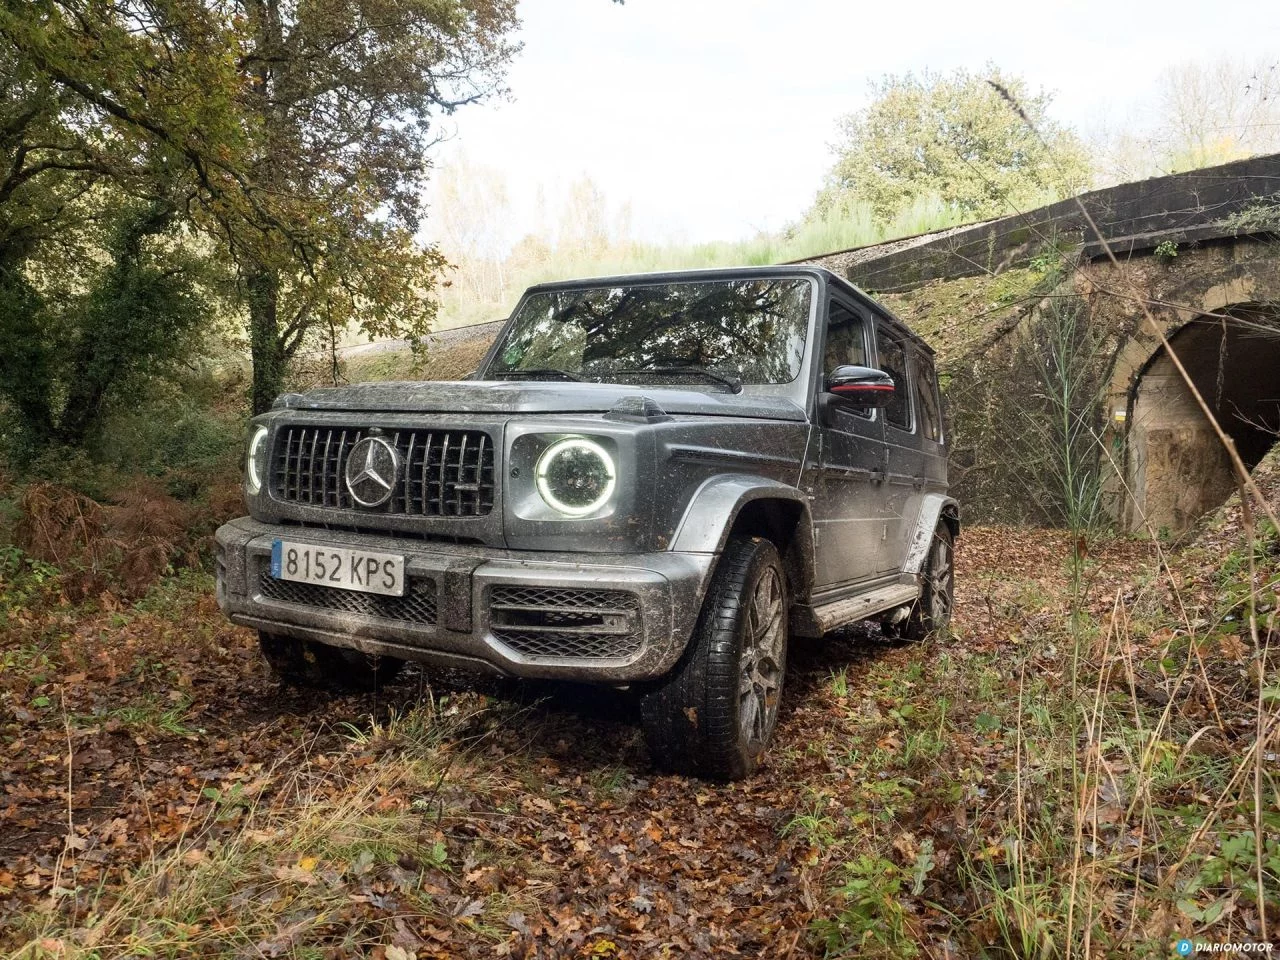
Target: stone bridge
[[1202, 251]]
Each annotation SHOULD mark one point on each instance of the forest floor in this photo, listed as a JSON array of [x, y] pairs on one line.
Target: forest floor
[[1073, 766]]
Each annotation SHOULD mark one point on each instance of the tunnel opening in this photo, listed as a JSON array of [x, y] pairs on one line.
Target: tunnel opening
[[1178, 468]]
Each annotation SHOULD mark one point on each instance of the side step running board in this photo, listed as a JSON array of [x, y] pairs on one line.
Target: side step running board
[[864, 605]]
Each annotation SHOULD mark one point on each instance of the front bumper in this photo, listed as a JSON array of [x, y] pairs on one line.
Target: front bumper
[[573, 616]]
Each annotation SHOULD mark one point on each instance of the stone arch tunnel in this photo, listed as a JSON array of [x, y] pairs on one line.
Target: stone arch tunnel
[[1176, 466]]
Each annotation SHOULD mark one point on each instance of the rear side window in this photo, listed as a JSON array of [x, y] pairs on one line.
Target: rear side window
[[927, 398], [893, 361]]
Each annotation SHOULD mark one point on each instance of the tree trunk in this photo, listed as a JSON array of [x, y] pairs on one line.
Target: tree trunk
[[267, 351], [25, 362]]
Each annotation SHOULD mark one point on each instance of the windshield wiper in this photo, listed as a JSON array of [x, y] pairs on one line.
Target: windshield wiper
[[535, 372], [733, 383]]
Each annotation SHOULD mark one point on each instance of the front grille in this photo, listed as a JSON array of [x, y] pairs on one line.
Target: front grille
[[566, 623], [443, 473], [418, 605], [431, 536]]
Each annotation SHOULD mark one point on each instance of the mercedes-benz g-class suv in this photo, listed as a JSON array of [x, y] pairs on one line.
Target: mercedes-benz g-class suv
[[650, 481]]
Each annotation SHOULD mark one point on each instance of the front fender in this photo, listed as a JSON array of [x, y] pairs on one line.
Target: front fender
[[716, 504]]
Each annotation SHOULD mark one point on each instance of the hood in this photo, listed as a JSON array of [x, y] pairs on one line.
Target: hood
[[534, 396]]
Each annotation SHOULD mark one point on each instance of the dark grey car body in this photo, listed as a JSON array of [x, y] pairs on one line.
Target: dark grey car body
[[850, 499]]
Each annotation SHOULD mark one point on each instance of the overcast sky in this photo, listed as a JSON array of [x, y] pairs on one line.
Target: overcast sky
[[713, 118]]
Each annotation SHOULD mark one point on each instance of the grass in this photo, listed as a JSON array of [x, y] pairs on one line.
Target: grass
[[155, 716], [1110, 809], [443, 363], [956, 317], [269, 877]]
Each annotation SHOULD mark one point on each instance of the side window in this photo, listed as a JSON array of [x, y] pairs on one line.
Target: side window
[[893, 361], [846, 343], [926, 384]]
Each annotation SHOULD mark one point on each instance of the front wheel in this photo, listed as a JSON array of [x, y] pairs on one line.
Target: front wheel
[[714, 714], [931, 613], [306, 663]]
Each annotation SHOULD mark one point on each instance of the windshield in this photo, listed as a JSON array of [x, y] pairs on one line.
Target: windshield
[[750, 330]]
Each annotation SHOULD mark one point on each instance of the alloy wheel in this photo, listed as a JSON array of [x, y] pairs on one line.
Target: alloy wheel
[[762, 661], [940, 583]]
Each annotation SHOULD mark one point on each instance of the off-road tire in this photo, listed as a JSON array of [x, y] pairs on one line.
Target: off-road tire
[[693, 717], [305, 663], [931, 613]]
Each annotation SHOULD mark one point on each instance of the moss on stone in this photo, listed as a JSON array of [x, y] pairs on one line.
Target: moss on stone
[[958, 316]]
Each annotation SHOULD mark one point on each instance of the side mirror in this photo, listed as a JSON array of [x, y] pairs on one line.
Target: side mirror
[[861, 386]]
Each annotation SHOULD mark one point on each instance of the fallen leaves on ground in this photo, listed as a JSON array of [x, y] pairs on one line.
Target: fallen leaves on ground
[[161, 790]]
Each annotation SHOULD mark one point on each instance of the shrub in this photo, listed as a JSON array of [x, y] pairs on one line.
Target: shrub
[[125, 546]]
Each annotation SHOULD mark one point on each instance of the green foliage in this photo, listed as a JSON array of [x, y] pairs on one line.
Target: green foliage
[[178, 433], [1166, 251], [25, 583], [872, 917], [923, 866], [77, 352], [294, 133], [1262, 215], [953, 139], [1034, 409], [1207, 896], [814, 825], [840, 682], [1239, 568], [49, 157], [26, 377], [230, 804]]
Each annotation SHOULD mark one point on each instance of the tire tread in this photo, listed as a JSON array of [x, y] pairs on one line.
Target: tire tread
[[690, 715]]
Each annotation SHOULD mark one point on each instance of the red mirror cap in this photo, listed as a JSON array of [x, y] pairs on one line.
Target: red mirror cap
[[849, 389]]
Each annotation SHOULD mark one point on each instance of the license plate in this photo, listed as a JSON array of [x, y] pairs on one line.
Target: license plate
[[338, 567]]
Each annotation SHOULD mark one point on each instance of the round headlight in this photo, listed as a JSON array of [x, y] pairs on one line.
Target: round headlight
[[255, 467], [575, 476]]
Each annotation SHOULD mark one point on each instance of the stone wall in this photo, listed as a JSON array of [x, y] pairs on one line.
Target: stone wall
[[1133, 218], [1158, 459]]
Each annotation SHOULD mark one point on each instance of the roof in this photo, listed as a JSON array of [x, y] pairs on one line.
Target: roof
[[703, 273]]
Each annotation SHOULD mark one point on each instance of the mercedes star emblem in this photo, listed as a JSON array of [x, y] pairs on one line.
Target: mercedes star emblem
[[372, 468]]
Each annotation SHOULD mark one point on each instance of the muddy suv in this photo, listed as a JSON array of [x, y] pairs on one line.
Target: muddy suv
[[650, 481]]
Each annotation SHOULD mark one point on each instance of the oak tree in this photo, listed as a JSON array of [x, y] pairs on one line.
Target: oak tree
[[302, 127]]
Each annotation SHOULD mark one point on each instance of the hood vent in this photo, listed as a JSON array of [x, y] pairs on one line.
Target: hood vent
[[637, 410]]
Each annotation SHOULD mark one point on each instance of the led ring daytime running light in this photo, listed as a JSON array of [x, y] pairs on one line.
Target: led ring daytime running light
[[561, 447], [252, 471]]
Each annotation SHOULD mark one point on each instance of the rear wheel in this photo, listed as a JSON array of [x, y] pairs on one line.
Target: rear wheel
[[931, 612], [306, 663], [714, 714]]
